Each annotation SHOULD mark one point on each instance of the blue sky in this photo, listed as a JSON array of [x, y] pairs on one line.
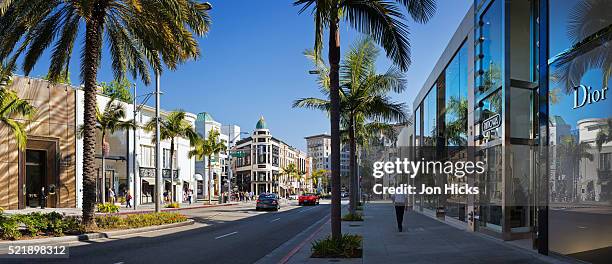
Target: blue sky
[[252, 65]]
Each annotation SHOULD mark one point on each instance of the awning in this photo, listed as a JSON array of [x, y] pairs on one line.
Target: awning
[[198, 177], [150, 180]]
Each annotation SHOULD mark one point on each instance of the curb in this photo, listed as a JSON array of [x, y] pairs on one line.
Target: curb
[[92, 236], [170, 209]]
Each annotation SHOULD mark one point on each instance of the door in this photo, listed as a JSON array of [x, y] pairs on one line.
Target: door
[[36, 174]]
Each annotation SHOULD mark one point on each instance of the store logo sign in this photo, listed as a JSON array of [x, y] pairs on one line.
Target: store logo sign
[[491, 123], [586, 95]]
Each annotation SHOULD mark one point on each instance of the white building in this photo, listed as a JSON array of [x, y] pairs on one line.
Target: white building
[[591, 187], [120, 167], [260, 169], [319, 149]]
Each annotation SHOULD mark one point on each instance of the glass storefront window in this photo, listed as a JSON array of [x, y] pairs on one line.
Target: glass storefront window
[[489, 107], [456, 99], [489, 49], [430, 118]]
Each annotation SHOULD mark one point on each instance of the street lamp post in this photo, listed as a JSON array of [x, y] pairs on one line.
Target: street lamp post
[[158, 181], [137, 108], [229, 165]]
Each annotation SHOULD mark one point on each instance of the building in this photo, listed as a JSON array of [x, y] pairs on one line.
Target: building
[[260, 167], [49, 158], [525, 85], [319, 149]]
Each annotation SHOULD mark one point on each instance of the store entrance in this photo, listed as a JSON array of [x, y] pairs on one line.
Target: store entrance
[[36, 174]]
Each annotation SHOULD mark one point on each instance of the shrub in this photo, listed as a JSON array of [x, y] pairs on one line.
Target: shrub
[[109, 221], [121, 200], [1, 210], [108, 208], [348, 246], [10, 228], [138, 220], [352, 217], [173, 205]]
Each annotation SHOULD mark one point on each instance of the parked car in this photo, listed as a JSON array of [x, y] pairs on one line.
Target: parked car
[[267, 201], [308, 198], [344, 194]]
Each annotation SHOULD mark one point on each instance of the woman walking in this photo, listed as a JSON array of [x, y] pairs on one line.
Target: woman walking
[[400, 201]]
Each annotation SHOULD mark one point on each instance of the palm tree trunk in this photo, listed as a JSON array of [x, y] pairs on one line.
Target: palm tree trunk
[[353, 189], [103, 170], [209, 180], [93, 43], [172, 170], [334, 62]]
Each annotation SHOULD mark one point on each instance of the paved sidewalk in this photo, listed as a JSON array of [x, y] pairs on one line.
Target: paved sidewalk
[[427, 240]]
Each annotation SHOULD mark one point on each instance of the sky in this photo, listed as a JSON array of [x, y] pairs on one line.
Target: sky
[[252, 65]]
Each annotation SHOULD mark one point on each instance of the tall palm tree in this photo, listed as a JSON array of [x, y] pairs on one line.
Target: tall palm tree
[[109, 121], [291, 171], [209, 147], [173, 126], [363, 96], [573, 152], [456, 128], [318, 176], [384, 22], [139, 34], [11, 108]]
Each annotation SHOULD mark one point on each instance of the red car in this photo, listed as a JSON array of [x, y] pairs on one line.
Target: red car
[[308, 198]]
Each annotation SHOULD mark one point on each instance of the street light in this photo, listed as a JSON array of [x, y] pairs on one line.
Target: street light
[[137, 109]]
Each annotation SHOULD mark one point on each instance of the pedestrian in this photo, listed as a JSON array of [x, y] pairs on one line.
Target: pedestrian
[[42, 198], [128, 200], [400, 201], [190, 195], [165, 196], [111, 196]]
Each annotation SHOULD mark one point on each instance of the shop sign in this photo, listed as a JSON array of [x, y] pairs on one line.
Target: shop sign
[[586, 95], [491, 123]]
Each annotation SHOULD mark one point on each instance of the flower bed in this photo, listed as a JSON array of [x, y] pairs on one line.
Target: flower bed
[[38, 225]]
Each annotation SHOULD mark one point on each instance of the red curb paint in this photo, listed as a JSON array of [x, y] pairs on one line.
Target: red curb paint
[[298, 247]]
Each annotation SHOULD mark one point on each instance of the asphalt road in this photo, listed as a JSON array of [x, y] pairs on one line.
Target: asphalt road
[[228, 235]]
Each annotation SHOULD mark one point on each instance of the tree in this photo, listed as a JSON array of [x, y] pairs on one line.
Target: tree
[[207, 148], [457, 117], [291, 171], [318, 176], [172, 127], [12, 107], [140, 36], [604, 135], [119, 89], [383, 21], [572, 152], [363, 96], [111, 120]]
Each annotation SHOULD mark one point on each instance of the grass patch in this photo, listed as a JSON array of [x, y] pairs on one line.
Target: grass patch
[[352, 217], [348, 246]]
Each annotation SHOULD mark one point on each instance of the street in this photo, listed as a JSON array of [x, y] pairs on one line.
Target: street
[[234, 234], [586, 236]]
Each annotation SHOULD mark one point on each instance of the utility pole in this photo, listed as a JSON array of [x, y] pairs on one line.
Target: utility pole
[[158, 172], [134, 155]]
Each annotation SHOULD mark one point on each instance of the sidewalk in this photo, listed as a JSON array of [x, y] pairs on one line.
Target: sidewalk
[[426, 240]]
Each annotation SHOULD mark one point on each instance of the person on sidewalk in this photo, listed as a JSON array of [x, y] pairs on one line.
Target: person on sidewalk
[[128, 200], [111, 196], [400, 201]]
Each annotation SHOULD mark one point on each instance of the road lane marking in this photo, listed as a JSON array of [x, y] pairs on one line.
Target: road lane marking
[[275, 220], [582, 227], [306, 209], [229, 234]]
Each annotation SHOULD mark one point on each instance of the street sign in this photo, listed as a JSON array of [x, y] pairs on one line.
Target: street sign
[[491, 123], [238, 154]]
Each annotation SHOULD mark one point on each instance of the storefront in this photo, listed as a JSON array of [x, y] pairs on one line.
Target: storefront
[[523, 86]]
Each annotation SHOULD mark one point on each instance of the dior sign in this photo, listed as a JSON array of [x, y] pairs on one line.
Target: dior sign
[[586, 95]]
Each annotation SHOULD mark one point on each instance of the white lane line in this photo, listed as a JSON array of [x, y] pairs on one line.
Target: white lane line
[[582, 227], [275, 220], [306, 209], [229, 234]]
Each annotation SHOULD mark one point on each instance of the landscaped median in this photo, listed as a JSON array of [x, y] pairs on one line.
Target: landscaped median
[[46, 226]]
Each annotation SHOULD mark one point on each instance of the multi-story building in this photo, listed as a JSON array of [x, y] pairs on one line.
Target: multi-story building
[[260, 167], [204, 124], [319, 149], [510, 66]]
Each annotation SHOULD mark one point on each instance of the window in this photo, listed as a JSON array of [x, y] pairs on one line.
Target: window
[[456, 99], [262, 153], [605, 161], [489, 41], [147, 156], [166, 159]]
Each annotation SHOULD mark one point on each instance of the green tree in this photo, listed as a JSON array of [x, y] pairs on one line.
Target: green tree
[[573, 152], [291, 171], [11, 108], [363, 96], [172, 127], [318, 176], [119, 89], [140, 35], [109, 121], [457, 117], [209, 147], [383, 21]]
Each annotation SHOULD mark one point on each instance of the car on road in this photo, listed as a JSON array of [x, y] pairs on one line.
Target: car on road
[[308, 198], [344, 194], [267, 201]]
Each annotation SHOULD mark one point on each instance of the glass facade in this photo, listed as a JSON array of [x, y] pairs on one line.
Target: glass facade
[[532, 98]]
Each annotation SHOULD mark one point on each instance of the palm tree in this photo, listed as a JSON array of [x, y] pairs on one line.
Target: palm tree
[[456, 129], [208, 148], [111, 120], [291, 171], [363, 96], [573, 152], [318, 176], [383, 21], [12, 107], [172, 127], [139, 35], [604, 135]]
